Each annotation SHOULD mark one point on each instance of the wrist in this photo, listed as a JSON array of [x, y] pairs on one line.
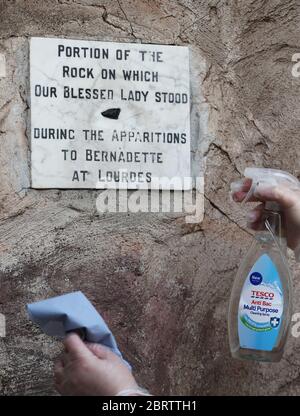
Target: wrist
[[138, 391]]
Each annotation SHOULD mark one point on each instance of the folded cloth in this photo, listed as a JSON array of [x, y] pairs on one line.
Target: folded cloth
[[72, 312]]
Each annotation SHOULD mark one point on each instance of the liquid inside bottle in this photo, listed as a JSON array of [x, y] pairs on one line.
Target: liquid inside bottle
[[260, 304]]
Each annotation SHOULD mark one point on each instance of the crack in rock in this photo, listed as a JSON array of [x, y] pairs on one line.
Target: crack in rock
[[215, 206]]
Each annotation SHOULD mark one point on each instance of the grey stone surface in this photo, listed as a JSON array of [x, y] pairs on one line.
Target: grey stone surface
[[162, 285]]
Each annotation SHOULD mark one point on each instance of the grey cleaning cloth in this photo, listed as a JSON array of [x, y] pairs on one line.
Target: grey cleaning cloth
[[72, 312]]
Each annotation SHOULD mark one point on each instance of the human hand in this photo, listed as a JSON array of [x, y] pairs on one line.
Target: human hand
[[288, 196], [87, 369]]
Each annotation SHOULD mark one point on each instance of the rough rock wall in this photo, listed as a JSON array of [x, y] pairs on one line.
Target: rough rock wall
[[162, 285]]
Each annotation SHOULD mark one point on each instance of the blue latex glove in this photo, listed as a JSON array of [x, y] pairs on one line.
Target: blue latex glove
[[72, 312]]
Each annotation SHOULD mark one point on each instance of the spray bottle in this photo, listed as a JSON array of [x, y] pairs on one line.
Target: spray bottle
[[261, 304]]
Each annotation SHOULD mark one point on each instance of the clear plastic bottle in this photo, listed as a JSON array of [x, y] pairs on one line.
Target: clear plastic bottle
[[261, 302]]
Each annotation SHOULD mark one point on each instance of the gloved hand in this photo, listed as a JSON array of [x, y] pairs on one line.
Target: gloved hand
[[288, 196]]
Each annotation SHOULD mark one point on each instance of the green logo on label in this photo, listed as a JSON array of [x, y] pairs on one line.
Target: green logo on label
[[254, 328]]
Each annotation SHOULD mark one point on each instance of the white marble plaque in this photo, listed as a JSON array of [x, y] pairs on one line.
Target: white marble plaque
[[104, 112]]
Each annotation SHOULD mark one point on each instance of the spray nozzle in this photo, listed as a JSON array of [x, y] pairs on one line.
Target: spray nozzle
[[270, 177]]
